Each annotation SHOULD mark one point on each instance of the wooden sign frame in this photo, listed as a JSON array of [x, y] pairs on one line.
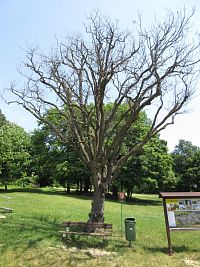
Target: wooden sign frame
[[185, 202]]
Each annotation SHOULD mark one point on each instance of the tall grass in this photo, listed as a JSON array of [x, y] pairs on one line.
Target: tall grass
[[28, 235]]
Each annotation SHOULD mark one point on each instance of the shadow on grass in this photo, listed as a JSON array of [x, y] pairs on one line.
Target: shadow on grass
[[61, 257], [54, 192], [83, 196], [85, 243], [28, 234], [176, 249], [33, 242], [33, 190], [143, 202], [112, 243]]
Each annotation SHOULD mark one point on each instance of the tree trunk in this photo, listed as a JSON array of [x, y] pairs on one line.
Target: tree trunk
[[86, 185], [68, 187], [81, 186], [97, 210], [6, 186], [115, 191], [128, 192]]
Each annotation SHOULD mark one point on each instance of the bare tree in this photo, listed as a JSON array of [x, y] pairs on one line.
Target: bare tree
[[154, 71]]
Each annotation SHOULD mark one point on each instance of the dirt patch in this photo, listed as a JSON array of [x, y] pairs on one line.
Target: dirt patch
[[192, 263], [94, 252], [99, 252]]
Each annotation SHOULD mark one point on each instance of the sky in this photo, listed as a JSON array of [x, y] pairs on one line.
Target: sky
[[26, 23]]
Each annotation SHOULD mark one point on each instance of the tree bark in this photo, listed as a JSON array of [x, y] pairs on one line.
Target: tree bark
[[97, 210]]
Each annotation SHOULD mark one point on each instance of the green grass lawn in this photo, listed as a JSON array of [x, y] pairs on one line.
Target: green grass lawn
[[29, 237]]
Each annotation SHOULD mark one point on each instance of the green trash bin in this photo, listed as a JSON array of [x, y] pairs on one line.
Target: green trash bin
[[130, 231]]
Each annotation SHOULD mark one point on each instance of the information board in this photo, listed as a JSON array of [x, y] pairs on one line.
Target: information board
[[183, 212]]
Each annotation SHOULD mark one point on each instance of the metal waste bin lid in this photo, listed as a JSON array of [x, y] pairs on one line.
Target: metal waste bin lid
[[130, 219]]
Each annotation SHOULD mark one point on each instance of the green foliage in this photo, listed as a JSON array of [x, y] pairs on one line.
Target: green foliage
[[42, 164], [157, 167], [63, 162], [2, 119], [14, 152], [148, 185], [193, 173], [55, 162], [186, 160], [150, 171]]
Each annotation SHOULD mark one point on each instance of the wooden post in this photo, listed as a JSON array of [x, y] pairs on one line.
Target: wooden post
[[170, 250]]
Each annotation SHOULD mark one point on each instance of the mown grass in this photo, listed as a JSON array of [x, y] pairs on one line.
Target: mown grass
[[28, 235]]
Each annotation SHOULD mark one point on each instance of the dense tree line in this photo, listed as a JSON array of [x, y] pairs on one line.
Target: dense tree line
[[14, 152], [39, 158]]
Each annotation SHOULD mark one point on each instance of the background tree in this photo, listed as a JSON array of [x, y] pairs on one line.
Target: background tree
[[191, 179], [156, 172], [154, 69], [2, 119], [150, 171], [185, 158], [55, 162], [131, 171], [14, 153], [42, 162]]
